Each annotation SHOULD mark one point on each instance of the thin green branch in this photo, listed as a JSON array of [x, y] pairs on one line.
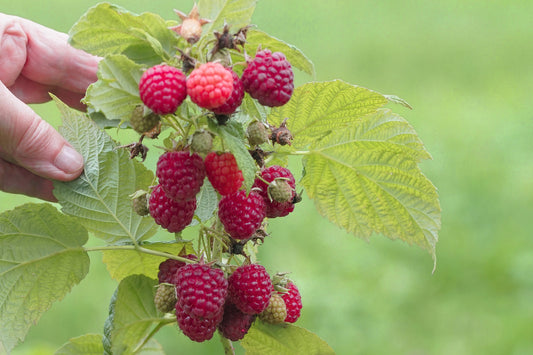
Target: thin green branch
[[152, 333], [140, 249], [227, 344]]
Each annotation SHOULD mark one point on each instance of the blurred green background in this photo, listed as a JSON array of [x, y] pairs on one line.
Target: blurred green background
[[467, 69]]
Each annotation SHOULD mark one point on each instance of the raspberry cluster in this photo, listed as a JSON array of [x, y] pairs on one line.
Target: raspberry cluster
[[209, 293]]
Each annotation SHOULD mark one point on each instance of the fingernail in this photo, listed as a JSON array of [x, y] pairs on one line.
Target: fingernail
[[69, 160]]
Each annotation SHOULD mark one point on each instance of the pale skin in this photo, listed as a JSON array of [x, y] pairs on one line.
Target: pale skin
[[35, 61]]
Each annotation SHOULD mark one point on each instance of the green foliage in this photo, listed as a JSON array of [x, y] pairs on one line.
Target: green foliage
[[132, 315], [116, 93], [123, 263], [41, 259], [237, 12], [88, 344], [108, 29], [296, 57], [288, 339], [361, 163], [206, 203], [100, 196]]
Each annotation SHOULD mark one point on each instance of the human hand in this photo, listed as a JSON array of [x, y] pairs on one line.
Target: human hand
[[35, 61]]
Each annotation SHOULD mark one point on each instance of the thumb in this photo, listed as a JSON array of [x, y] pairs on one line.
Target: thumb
[[30, 142]]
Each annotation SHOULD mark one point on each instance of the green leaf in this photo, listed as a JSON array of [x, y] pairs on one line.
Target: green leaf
[[132, 315], [265, 339], [41, 259], [206, 203], [108, 29], [100, 196], [398, 100], [365, 178], [296, 57], [234, 139], [91, 344], [238, 13], [123, 263], [317, 109], [116, 93], [253, 108], [88, 344]]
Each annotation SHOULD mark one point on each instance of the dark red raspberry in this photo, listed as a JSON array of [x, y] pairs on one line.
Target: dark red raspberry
[[163, 88], [223, 172], [275, 208], [293, 302], [201, 290], [235, 99], [172, 215], [268, 78], [210, 85], [250, 288], [241, 215], [197, 329], [235, 324], [169, 267], [180, 174]]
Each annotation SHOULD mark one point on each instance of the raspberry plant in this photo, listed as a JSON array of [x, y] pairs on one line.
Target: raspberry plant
[[360, 168]]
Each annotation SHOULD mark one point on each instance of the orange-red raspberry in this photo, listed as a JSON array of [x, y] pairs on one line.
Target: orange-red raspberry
[[235, 99], [223, 172], [210, 85]]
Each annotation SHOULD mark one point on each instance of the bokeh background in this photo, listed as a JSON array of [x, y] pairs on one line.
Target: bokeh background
[[466, 67]]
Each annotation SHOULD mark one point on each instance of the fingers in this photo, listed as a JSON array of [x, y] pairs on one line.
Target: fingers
[[17, 180], [13, 42], [32, 143], [50, 60]]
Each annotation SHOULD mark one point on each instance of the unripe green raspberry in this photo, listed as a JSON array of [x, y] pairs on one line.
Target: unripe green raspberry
[[202, 142], [143, 123], [276, 311], [280, 190], [140, 205], [257, 133], [165, 298]]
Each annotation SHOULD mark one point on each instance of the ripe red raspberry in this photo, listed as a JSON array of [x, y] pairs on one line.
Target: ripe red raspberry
[[235, 324], [201, 290], [235, 99], [275, 208], [180, 174], [163, 88], [197, 329], [241, 215], [268, 78], [169, 267], [250, 288], [172, 215], [210, 85], [293, 302], [223, 172]]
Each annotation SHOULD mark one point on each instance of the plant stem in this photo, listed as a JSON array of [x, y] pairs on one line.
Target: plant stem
[[228, 345], [142, 250], [152, 333]]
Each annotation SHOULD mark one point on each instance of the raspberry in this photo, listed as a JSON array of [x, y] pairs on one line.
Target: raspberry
[[197, 329], [276, 311], [140, 205], [268, 78], [172, 215], [143, 123], [241, 215], [293, 302], [235, 324], [201, 142], [257, 133], [169, 267], [223, 172], [250, 288], [210, 85], [201, 290], [180, 174], [235, 99], [163, 88], [275, 208], [165, 298]]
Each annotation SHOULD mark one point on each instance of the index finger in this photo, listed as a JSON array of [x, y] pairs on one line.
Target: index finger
[[52, 61]]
